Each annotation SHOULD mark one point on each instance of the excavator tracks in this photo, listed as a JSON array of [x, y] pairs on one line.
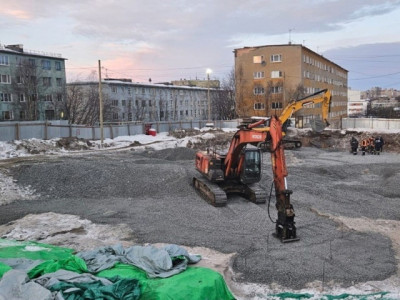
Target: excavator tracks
[[216, 195], [211, 192], [256, 194]]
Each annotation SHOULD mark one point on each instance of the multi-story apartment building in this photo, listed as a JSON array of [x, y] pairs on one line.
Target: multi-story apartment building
[[356, 107], [126, 101], [32, 84], [268, 77]]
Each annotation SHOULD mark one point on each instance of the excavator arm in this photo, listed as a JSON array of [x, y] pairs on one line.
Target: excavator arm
[[323, 97], [285, 225]]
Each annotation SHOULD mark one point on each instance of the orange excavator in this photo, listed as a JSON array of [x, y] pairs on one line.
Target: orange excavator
[[239, 170]]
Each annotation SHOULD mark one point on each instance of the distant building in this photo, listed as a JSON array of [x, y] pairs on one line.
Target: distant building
[[127, 101], [377, 92], [356, 107], [268, 77], [32, 84], [215, 84]]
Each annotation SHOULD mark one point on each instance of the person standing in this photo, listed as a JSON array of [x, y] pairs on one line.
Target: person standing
[[354, 145], [378, 145], [381, 142], [364, 145]]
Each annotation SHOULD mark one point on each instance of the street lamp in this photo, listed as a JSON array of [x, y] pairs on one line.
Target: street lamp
[[208, 71]]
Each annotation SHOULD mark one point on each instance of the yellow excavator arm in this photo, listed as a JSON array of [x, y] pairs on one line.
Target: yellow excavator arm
[[323, 96]]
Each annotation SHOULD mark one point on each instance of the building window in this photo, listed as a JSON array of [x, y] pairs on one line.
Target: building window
[[48, 98], [32, 62], [129, 90], [58, 65], [114, 102], [49, 114], [123, 102], [5, 79], [22, 114], [258, 59], [143, 103], [276, 57], [59, 97], [115, 116], [4, 60], [19, 79], [259, 90], [114, 89], [259, 106], [59, 81], [46, 81], [258, 75], [276, 105], [46, 64], [276, 74], [7, 115], [276, 89], [5, 97], [21, 97], [129, 116]]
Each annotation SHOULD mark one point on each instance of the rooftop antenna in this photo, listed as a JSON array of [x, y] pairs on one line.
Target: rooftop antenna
[[290, 35]]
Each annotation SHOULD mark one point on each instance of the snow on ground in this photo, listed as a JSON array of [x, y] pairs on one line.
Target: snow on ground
[[141, 141], [81, 234]]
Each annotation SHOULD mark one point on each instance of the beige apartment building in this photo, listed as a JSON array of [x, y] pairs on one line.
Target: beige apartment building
[[269, 77]]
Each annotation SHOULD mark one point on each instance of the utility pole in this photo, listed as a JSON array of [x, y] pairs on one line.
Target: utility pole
[[101, 106], [208, 94]]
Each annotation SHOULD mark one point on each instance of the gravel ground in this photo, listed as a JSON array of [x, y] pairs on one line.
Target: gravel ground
[[150, 192]]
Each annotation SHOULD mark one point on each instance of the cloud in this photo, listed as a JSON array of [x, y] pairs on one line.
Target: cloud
[[16, 13], [369, 65], [181, 38]]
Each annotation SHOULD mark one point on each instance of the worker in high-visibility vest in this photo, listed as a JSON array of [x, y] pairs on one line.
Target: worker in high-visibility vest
[[364, 145]]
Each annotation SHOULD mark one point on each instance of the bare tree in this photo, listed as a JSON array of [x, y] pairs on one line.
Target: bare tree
[[83, 103], [29, 89], [224, 99], [243, 106], [298, 93]]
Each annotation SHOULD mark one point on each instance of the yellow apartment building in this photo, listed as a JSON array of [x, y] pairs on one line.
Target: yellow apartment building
[[269, 77]]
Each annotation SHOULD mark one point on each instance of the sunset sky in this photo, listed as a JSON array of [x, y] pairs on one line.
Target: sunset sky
[[173, 39]]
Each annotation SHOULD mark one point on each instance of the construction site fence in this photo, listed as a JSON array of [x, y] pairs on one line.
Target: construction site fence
[[371, 123], [10, 131]]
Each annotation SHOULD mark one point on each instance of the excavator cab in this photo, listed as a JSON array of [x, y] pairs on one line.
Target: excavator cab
[[251, 169]]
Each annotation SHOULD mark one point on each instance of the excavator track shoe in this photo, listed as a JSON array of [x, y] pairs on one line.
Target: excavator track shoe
[[211, 192]]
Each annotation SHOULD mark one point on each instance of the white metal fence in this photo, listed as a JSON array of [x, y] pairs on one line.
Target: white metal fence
[[371, 123], [58, 129]]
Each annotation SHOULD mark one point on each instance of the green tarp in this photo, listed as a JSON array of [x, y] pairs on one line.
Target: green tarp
[[3, 268], [194, 283]]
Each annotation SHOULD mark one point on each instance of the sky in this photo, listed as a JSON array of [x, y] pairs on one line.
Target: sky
[[180, 39]]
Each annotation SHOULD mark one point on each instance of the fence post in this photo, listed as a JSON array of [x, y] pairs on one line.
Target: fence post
[[93, 133], [70, 130], [158, 127], [111, 132], [45, 130], [17, 131], [129, 129]]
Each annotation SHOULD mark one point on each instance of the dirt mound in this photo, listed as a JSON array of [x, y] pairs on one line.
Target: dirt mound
[[340, 139], [74, 143], [173, 154]]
